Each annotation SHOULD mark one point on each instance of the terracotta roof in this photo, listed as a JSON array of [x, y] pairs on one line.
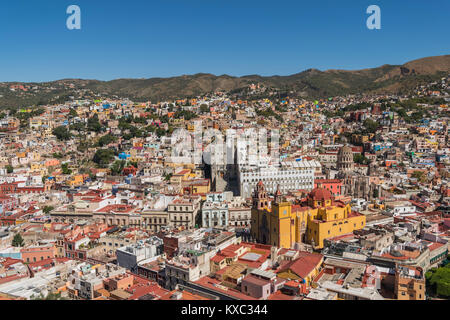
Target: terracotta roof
[[255, 280], [435, 245], [304, 264]]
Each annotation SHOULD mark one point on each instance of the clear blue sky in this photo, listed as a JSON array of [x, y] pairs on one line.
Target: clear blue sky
[[161, 38]]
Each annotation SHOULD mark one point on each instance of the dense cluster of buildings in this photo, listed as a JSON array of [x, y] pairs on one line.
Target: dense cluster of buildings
[[352, 202]]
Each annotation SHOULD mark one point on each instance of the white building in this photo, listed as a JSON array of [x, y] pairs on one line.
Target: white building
[[289, 176], [215, 209], [141, 252], [400, 208]]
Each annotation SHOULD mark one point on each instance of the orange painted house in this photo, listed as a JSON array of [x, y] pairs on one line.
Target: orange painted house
[[38, 253]]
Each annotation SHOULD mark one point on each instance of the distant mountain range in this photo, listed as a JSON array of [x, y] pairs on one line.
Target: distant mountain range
[[311, 83]]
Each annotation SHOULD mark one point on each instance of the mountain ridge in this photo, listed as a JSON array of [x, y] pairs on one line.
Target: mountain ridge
[[310, 83]]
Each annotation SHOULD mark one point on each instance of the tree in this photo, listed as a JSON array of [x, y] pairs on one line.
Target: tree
[[106, 139], [18, 241], [261, 122], [73, 113], [48, 209], [103, 157], [375, 193], [117, 167], [187, 115], [79, 126], [439, 280], [370, 125], [360, 159], [160, 132], [279, 118], [12, 111], [140, 120], [65, 169], [62, 133], [132, 163], [419, 175], [93, 124], [204, 108], [9, 168], [164, 119]]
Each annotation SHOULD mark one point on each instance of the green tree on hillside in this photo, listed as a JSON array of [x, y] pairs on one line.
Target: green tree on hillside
[[117, 167], [62, 133], [419, 175], [94, 125], [73, 113], [103, 157], [370, 126], [106, 139], [65, 168], [18, 241]]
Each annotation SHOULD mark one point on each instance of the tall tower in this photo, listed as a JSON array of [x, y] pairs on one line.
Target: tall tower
[[345, 159], [278, 195], [260, 200], [259, 218]]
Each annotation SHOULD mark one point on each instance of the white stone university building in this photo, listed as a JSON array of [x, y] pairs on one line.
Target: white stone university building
[[288, 175]]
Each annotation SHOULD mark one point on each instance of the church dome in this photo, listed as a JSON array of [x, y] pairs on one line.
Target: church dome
[[320, 194]]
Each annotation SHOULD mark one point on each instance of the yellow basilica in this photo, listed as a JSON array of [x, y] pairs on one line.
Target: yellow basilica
[[284, 224]]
